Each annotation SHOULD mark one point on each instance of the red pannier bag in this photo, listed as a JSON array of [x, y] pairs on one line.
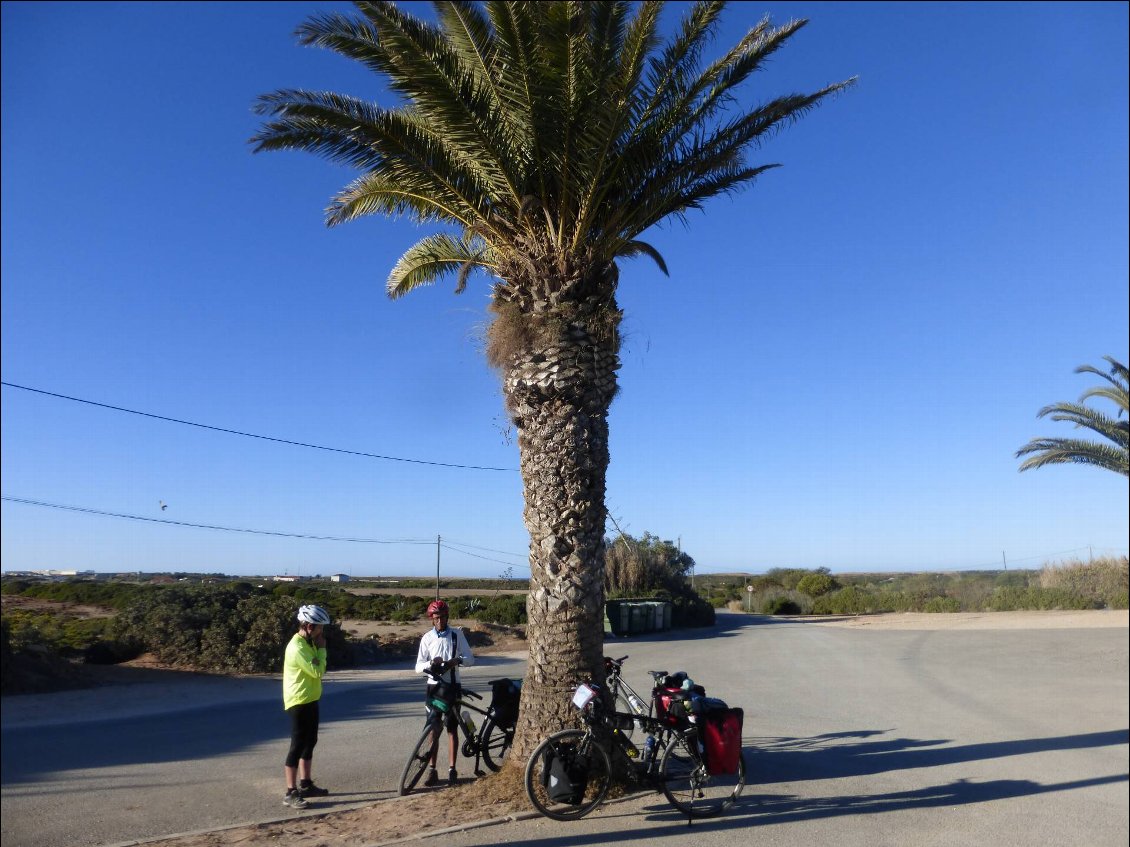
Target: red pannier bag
[[722, 739]]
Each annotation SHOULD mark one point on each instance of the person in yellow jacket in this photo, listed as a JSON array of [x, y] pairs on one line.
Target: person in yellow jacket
[[303, 667]]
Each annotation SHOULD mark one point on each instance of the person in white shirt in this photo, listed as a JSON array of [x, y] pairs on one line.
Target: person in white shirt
[[442, 650]]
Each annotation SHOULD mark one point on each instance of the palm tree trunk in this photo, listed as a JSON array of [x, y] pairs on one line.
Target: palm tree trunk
[[559, 399]]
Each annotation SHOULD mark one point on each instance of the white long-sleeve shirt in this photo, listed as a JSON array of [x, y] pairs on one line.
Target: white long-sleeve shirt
[[445, 645]]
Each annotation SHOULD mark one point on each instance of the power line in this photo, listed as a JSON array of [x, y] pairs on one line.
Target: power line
[[487, 549], [251, 434], [125, 516], [484, 558]]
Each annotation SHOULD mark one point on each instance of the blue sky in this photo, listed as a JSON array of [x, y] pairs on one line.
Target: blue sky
[[836, 374]]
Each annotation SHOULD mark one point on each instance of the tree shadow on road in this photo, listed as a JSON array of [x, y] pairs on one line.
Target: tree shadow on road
[[829, 757], [866, 752]]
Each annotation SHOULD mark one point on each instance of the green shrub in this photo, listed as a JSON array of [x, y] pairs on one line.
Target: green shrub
[[690, 610], [782, 606], [1101, 582], [111, 651], [847, 601], [942, 604], [816, 584], [506, 609], [1016, 599]]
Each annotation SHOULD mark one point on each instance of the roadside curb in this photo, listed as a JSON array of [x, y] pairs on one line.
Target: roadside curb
[[157, 839], [416, 836], [452, 830]]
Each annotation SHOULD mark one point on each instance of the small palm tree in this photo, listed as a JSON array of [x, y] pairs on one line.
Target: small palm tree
[[1057, 451], [540, 141]]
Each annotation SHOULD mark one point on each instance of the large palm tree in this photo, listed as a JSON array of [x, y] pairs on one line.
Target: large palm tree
[[1057, 451], [541, 140]]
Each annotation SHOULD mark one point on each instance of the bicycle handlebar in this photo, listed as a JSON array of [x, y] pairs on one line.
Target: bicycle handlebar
[[615, 663], [437, 675], [435, 672]]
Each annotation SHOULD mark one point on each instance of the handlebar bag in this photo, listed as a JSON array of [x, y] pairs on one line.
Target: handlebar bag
[[442, 695], [722, 739]]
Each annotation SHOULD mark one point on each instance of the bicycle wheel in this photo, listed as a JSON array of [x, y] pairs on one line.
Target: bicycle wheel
[[494, 743], [421, 758], [691, 790], [583, 760]]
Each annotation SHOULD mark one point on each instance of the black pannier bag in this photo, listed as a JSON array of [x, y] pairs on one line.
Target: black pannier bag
[[505, 697], [565, 776]]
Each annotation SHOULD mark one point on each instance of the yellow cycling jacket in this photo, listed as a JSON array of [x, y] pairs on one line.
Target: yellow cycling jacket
[[303, 666]]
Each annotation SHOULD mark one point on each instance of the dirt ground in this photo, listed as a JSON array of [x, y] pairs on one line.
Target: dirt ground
[[1089, 619], [491, 797]]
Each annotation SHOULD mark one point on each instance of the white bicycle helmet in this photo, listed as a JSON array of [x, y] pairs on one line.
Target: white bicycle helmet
[[314, 615]]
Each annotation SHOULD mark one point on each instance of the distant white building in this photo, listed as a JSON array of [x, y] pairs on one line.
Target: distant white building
[[339, 577], [50, 574], [286, 578]]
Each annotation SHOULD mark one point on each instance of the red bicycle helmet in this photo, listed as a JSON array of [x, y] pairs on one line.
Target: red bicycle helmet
[[437, 607]]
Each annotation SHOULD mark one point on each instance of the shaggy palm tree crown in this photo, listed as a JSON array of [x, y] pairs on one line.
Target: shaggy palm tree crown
[[543, 138]]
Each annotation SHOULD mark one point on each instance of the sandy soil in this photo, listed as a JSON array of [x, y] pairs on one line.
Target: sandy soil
[[1090, 619], [34, 604]]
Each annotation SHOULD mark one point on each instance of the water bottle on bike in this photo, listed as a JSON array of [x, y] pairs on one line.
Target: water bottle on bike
[[649, 749]]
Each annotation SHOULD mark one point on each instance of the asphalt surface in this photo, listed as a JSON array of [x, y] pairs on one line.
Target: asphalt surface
[[852, 737]]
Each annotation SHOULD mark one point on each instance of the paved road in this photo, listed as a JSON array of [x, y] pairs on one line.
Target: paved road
[[853, 737], [860, 738], [199, 755]]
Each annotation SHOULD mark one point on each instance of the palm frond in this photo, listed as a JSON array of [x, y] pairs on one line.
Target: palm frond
[[1060, 451], [1047, 451], [433, 258], [1119, 378], [420, 64], [1088, 418], [636, 248]]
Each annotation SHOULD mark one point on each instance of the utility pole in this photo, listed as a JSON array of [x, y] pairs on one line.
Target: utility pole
[[437, 566], [1004, 560], [679, 548]]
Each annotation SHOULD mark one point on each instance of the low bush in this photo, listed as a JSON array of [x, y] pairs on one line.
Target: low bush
[[942, 604], [846, 601], [1102, 581], [1017, 599], [506, 609], [782, 606], [816, 584]]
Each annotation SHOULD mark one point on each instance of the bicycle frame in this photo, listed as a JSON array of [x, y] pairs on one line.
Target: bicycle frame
[[617, 685], [473, 740]]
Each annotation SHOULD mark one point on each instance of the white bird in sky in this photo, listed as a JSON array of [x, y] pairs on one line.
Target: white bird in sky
[[163, 505]]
